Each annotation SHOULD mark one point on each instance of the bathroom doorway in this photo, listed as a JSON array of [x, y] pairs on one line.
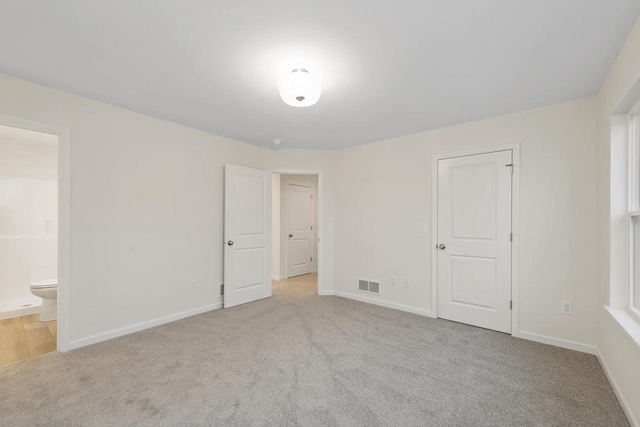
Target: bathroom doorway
[[295, 229], [30, 244]]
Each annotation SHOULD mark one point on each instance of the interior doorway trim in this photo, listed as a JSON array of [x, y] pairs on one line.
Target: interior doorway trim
[[323, 288], [515, 225], [64, 218]]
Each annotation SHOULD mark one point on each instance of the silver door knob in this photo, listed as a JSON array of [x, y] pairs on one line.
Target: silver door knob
[[230, 243], [442, 246]]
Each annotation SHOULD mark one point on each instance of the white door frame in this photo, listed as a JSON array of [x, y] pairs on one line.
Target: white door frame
[[64, 219], [515, 226], [320, 213]]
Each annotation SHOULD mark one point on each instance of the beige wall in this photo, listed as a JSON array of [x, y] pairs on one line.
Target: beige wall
[[28, 159]]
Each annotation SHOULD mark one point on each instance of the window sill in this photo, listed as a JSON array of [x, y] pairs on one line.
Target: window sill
[[628, 320]]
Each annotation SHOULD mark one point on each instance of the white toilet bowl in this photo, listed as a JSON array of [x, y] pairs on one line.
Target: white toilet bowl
[[48, 291]]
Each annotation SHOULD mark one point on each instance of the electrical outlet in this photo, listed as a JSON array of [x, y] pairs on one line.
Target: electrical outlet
[[394, 280], [424, 228], [194, 285], [407, 282], [567, 307]]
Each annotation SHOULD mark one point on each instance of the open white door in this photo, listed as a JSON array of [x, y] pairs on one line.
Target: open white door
[[474, 240], [247, 231]]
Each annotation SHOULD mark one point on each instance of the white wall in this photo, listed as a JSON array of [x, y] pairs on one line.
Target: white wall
[[308, 181], [146, 209], [619, 353], [28, 216], [385, 193]]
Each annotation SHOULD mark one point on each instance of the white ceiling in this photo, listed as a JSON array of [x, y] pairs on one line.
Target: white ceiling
[[389, 68]]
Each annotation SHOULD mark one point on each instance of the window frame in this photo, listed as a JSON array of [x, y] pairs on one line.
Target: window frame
[[633, 213]]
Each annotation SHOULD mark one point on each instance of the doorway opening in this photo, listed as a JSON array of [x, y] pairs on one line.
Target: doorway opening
[[295, 231], [29, 188]]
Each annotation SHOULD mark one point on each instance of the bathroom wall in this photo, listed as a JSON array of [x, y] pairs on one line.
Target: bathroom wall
[[28, 213]]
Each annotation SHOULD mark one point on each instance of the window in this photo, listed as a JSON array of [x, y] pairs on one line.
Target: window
[[634, 210]]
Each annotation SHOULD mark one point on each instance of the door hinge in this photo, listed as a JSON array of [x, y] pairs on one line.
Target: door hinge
[[510, 305], [511, 237], [312, 196], [311, 258], [510, 165], [312, 228], [221, 289]]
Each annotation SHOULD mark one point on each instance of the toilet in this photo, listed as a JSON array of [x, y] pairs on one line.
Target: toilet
[[48, 291]]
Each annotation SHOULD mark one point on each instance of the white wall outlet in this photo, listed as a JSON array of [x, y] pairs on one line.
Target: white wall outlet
[[424, 228], [567, 307], [394, 280], [194, 285], [407, 282]]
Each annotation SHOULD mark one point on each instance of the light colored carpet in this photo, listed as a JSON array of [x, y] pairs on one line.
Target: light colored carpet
[[301, 359]]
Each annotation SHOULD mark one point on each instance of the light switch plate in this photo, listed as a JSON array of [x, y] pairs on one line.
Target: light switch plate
[[423, 227]]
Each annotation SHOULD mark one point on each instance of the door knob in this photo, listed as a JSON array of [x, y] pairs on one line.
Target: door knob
[[230, 243], [442, 246], [290, 235]]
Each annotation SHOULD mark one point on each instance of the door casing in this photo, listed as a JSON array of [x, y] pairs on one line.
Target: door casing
[[63, 343], [323, 286], [515, 225]]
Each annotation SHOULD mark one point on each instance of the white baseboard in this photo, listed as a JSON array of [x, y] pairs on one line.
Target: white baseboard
[[82, 342], [326, 292], [274, 277], [20, 312], [614, 385], [558, 342], [384, 303]]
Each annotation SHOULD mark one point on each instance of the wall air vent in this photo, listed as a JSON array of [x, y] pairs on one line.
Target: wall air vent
[[374, 287], [369, 286]]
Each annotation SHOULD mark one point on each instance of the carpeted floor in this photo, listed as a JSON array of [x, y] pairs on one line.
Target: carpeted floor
[[301, 359]]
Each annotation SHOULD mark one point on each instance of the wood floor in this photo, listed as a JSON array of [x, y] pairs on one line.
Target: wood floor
[[25, 337]]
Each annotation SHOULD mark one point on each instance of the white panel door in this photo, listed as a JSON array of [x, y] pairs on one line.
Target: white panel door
[[299, 229], [247, 231], [474, 240]]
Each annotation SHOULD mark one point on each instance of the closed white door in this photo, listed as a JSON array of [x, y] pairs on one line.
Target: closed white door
[[247, 231], [474, 240], [299, 230]]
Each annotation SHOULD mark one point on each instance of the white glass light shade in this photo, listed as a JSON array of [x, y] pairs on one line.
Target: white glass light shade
[[299, 88]]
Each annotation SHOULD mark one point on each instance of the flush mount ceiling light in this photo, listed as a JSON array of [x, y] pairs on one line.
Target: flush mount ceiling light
[[299, 88]]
